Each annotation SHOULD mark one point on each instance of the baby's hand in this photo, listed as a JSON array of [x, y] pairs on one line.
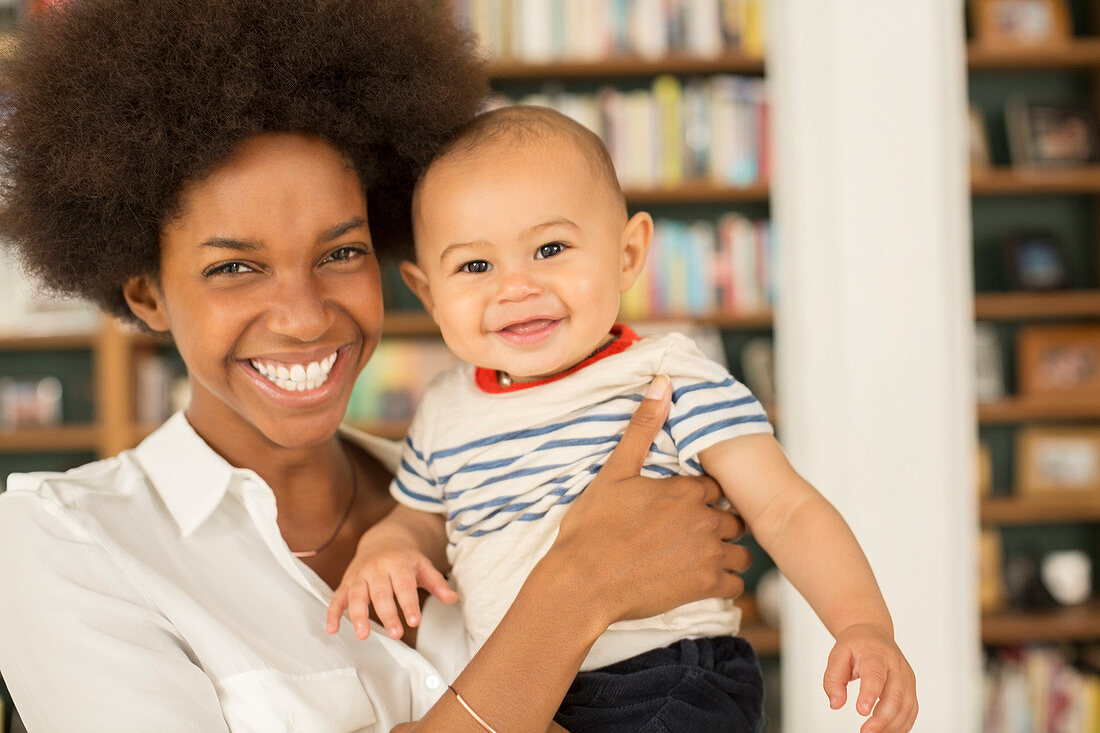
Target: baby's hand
[[375, 576], [869, 653]]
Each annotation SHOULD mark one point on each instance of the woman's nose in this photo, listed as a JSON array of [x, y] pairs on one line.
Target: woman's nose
[[300, 310]]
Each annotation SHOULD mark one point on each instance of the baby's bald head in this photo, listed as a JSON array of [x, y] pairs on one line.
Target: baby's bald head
[[522, 126]]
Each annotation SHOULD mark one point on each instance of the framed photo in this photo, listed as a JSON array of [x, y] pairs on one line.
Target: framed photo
[[1058, 461], [1035, 261], [989, 371], [1059, 361], [1014, 23], [991, 584], [979, 140], [1051, 134], [983, 470]]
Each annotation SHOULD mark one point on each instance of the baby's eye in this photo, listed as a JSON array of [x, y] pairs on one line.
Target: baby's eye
[[549, 250], [229, 268], [475, 267]]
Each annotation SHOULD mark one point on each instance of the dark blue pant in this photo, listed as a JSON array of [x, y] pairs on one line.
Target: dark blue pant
[[692, 686]]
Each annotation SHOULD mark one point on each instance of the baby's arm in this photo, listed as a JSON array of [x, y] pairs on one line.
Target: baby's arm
[[396, 556], [814, 548]]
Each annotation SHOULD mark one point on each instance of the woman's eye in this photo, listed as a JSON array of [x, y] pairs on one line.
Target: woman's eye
[[229, 268], [345, 253], [549, 250], [475, 267]]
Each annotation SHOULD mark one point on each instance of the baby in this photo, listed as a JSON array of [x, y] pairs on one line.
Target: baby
[[523, 248]]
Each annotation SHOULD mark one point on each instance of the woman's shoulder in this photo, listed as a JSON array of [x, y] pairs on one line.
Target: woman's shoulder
[[106, 476], [32, 498]]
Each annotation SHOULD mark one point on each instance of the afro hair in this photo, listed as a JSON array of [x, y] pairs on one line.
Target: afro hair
[[113, 105]]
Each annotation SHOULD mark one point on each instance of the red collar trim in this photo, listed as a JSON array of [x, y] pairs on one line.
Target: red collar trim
[[624, 336]]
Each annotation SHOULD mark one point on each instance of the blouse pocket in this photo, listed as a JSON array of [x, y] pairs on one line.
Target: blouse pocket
[[270, 701]]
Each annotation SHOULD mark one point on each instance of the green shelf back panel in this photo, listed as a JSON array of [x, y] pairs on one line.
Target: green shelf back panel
[[1038, 540], [1001, 440], [1072, 219], [72, 368]]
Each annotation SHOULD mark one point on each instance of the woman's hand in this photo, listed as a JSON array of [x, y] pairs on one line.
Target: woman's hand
[[645, 545]]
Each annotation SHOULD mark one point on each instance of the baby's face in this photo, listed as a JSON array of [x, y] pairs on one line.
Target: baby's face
[[521, 249]]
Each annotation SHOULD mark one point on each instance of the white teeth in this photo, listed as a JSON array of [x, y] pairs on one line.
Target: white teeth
[[296, 377]]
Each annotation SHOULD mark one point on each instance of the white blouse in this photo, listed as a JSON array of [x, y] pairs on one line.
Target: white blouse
[[152, 591]]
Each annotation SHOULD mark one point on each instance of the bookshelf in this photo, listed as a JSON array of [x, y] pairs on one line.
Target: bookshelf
[[1068, 202]]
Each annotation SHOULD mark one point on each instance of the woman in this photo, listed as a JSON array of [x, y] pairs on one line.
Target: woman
[[207, 167]]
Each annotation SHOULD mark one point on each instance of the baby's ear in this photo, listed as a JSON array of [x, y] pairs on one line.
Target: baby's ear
[[146, 301], [417, 281], [633, 248]]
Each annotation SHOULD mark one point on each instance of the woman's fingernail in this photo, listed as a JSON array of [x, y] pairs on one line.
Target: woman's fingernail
[[657, 387]]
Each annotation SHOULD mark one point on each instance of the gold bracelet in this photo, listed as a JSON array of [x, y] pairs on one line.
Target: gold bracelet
[[470, 710]]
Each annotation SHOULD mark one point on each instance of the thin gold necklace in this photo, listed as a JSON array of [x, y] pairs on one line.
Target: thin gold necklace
[[343, 520]]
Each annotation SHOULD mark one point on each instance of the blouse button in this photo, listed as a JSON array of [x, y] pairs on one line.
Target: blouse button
[[432, 682]]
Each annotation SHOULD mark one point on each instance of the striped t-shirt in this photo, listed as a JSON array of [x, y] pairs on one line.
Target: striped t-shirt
[[503, 466]]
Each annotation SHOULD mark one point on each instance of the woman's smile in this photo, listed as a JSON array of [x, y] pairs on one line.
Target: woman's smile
[[306, 381]]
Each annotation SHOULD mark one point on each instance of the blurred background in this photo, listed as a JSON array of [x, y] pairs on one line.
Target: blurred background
[[708, 108]]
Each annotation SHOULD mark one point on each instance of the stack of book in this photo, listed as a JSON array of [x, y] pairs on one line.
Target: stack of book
[[712, 129], [1035, 689], [587, 30], [698, 268], [391, 385]]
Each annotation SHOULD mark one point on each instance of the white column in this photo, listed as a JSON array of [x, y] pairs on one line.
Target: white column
[[874, 329]]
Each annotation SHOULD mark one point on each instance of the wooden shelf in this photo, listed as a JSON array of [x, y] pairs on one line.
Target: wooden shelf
[[50, 440], [1032, 510], [416, 323], [1076, 623], [1033, 409], [764, 639], [1035, 306], [1080, 53], [626, 66], [409, 323], [61, 342], [392, 429], [697, 192], [1031, 181]]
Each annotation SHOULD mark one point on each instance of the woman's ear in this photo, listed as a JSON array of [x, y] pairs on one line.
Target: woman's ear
[[417, 281], [143, 295], [633, 248]]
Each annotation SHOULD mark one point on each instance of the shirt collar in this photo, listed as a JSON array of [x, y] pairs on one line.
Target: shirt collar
[[192, 479]]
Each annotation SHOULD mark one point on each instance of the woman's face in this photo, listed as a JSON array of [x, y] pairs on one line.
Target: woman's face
[[271, 290]]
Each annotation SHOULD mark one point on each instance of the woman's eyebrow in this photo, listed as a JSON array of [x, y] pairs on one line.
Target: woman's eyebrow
[[250, 245], [335, 232], [241, 245]]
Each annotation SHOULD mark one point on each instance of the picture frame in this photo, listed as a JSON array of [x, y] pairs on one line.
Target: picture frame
[[1035, 261], [983, 470], [989, 366], [1059, 361], [980, 158], [1058, 462], [1001, 24], [1051, 134]]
